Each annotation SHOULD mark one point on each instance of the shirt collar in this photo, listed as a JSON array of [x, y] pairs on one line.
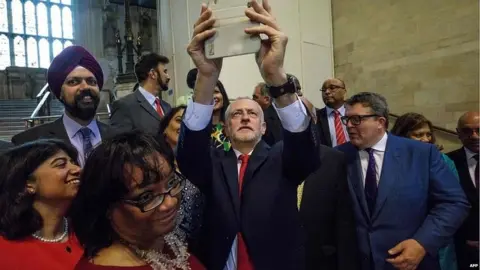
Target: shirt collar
[[469, 153], [238, 153], [148, 96], [381, 145], [73, 127], [341, 110]]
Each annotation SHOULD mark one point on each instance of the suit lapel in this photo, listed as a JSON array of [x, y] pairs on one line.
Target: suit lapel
[[230, 173], [464, 175], [258, 157], [148, 107], [355, 176], [325, 127], [57, 130], [388, 175]]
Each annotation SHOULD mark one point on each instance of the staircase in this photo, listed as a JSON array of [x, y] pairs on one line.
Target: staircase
[[14, 110]]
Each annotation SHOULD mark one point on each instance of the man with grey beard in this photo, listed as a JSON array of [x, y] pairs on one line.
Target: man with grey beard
[[251, 217]]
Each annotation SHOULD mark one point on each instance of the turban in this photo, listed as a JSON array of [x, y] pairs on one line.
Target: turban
[[68, 60]]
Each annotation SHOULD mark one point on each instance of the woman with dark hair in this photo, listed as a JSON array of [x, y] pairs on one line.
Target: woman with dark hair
[[127, 205], [221, 103], [418, 127], [191, 207], [39, 180]]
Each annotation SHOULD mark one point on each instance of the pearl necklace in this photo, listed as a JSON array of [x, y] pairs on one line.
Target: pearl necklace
[[57, 239]]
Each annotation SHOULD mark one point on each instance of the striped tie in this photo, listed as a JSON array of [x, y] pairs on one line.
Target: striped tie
[[339, 133], [87, 142]]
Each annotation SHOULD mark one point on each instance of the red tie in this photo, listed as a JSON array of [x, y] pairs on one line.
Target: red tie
[[243, 261], [339, 133], [158, 107]]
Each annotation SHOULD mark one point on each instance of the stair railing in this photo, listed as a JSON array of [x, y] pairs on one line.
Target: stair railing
[[42, 108]]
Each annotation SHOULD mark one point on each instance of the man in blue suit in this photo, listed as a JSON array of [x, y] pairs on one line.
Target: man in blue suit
[[407, 202]]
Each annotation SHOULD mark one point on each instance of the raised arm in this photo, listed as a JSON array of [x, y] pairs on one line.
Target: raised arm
[[193, 149], [300, 150]]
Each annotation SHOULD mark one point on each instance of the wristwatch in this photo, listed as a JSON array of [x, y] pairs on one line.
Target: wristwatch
[[288, 87]]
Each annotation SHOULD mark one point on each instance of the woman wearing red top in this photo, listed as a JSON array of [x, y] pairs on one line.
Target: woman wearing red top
[[126, 207], [37, 184]]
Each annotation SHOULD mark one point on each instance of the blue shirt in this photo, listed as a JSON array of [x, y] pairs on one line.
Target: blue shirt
[[76, 138]]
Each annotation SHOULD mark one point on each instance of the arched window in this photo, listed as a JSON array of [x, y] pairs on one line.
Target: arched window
[[32, 32]]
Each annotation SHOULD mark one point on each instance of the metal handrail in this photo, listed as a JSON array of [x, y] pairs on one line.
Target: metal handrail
[[45, 88], [40, 104], [448, 131]]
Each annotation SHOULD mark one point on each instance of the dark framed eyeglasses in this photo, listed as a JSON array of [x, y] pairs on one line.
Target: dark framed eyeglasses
[[149, 201], [356, 119], [331, 87]]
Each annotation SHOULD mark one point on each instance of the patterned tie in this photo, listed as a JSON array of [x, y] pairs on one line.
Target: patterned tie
[[339, 133], [87, 142], [371, 181], [243, 261], [476, 172], [158, 107]]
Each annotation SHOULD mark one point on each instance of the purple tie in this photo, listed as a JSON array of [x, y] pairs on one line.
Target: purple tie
[[371, 181]]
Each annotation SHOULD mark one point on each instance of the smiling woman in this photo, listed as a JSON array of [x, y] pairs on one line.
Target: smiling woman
[[39, 181], [127, 206]]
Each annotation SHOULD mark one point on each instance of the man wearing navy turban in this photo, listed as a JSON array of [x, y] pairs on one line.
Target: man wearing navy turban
[[75, 78]]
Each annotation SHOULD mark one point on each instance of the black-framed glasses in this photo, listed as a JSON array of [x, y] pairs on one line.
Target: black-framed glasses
[[356, 119], [331, 87], [150, 201]]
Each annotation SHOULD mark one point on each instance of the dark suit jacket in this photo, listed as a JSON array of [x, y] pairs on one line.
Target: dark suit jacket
[[56, 130], [469, 229], [323, 129], [327, 213], [134, 112], [267, 212], [4, 146], [274, 131], [418, 198]]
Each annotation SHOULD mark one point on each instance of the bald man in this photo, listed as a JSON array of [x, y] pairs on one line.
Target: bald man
[[466, 161], [332, 131]]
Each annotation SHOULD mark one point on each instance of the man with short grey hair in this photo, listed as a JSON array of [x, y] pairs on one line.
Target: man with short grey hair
[[251, 217], [407, 202]]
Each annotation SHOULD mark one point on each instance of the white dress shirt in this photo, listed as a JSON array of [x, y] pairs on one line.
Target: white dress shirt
[[472, 163], [331, 124], [294, 118], [378, 154], [148, 96]]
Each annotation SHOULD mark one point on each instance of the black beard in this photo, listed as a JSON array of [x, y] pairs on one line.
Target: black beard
[[163, 85], [81, 110]]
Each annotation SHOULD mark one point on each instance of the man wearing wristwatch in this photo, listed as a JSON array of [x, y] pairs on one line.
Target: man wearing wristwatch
[[251, 218]]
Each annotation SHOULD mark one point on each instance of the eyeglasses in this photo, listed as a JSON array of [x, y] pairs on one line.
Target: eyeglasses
[[149, 201], [355, 119], [332, 87], [469, 131]]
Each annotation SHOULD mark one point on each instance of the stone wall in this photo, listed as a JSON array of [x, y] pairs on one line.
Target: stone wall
[[423, 56]]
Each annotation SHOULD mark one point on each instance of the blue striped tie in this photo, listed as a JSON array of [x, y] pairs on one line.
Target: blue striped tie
[[87, 143]]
